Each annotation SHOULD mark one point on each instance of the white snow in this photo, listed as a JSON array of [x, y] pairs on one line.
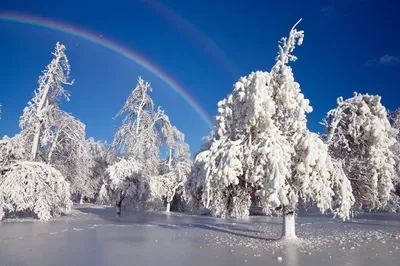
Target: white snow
[[157, 239]]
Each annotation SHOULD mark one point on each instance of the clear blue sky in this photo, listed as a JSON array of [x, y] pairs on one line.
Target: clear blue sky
[[349, 45]]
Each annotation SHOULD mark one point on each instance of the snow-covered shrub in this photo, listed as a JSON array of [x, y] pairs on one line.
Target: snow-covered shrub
[[33, 187], [126, 185], [393, 205]]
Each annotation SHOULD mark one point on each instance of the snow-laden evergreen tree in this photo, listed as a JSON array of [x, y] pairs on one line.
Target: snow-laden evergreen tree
[[38, 117], [69, 153], [360, 135], [33, 187], [176, 168], [262, 146], [138, 140]]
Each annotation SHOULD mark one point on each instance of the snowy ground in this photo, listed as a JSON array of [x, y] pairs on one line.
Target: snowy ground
[[92, 236]]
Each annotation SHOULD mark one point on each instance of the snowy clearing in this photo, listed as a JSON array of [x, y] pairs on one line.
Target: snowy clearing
[[93, 236]]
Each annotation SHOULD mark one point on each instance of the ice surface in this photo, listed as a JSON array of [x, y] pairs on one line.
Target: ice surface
[[92, 236]]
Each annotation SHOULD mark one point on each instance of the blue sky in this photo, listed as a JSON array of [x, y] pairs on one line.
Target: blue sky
[[349, 46]]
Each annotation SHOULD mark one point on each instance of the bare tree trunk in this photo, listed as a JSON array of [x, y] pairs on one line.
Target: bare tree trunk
[[118, 212], [170, 159], [289, 226], [118, 207], [53, 146], [81, 199], [137, 123], [35, 142], [38, 125], [168, 207], [138, 116]]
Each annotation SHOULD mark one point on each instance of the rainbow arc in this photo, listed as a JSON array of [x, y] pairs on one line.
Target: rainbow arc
[[113, 46]]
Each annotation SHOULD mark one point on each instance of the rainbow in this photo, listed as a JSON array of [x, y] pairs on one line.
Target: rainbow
[[111, 45], [174, 18]]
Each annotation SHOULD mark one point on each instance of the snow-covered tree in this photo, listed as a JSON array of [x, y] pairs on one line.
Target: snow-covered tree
[[177, 166], [138, 140], [138, 112], [195, 184], [38, 117], [262, 146], [103, 156], [127, 184], [69, 153], [394, 201], [33, 187], [360, 135]]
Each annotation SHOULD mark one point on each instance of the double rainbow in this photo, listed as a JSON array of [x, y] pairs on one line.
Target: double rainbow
[[111, 45], [189, 29]]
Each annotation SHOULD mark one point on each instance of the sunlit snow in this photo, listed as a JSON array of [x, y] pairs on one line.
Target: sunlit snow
[[92, 236]]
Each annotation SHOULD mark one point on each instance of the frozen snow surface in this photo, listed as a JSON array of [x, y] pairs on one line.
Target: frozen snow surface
[[92, 236]]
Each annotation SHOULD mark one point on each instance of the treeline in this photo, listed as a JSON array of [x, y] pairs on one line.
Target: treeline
[[50, 163]]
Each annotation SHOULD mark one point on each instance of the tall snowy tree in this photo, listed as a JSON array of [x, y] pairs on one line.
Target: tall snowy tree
[[360, 135], [35, 187], [138, 140], [262, 146], [38, 116], [69, 153]]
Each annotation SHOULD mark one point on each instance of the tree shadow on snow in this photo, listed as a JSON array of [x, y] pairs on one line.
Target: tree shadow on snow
[[131, 217], [237, 228], [228, 231], [169, 226], [166, 221], [104, 212]]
